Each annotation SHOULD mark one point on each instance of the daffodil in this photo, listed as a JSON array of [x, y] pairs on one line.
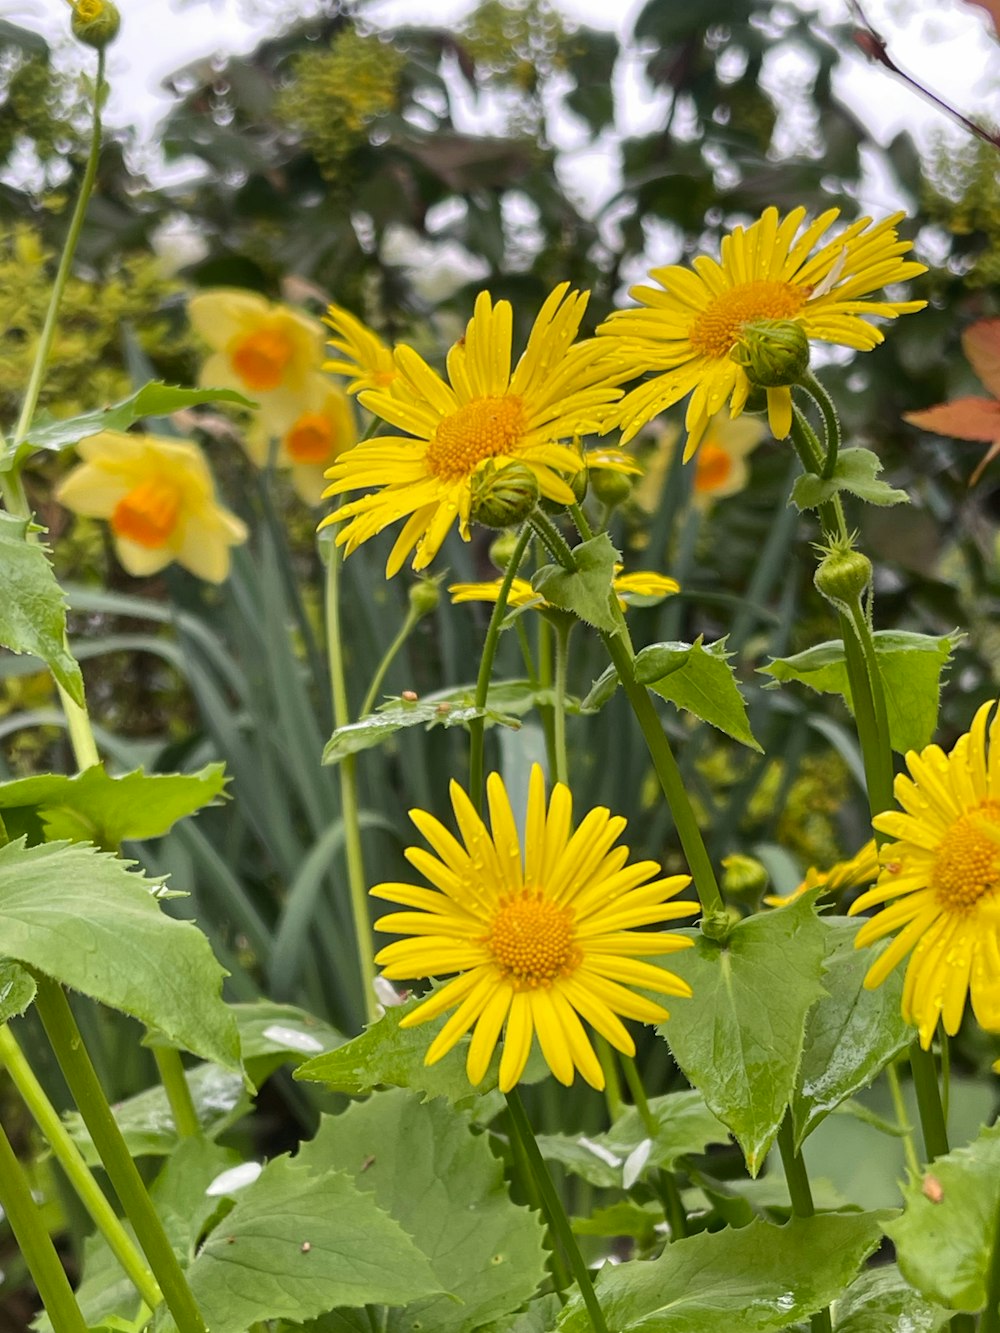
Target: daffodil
[[159, 498], [642, 585], [267, 351], [539, 939], [691, 330], [720, 466], [859, 869], [361, 355], [485, 413], [942, 881], [321, 429]]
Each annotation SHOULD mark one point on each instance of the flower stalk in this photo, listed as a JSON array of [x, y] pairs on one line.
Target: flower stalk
[[800, 1193]]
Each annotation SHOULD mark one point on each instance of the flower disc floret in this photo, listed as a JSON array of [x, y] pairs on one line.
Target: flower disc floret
[[539, 938], [941, 880]]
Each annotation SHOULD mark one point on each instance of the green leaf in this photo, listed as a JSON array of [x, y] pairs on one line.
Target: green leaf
[[758, 1279], [296, 1244], [82, 917], [180, 1191], [272, 1035], [438, 1179], [152, 400], [856, 472], [945, 1233], [586, 591], [851, 1033], [911, 666], [882, 1301], [601, 691], [94, 807], [699, 679], [32, 608], [539, 1317], [739, 1040], [686, 1125], [17, 990], [624, 1218]]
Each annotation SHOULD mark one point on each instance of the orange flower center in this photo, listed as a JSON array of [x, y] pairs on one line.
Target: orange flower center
[[148, 514], [310, 439], [712, 468], [717, 330], [531, 940], [968, 860], [261, 357], [484, 428]]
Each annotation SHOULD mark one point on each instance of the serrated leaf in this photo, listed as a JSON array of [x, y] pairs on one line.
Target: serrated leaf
[[147, 1123], [944, 1236], [699, 679], [32, 608], [180, 1194], [95, 807], [911, 666], [82, 917], [539, 1317], [586, 591], [739, 1041], [272, 1035], [758, 1279], [152, 400], [882, 1301], [438, 1179], [851, 1033], [856, 472], [297, 1244], [17, 990], [624, 1218]]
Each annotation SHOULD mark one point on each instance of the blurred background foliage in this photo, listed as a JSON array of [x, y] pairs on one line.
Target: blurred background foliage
[[335, 162]]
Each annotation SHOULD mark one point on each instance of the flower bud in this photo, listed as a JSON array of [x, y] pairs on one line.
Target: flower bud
[[424, 596], [717, 923], [743, 877], [773, 352], [95, 22], [611, 488], [503, 496], [843, 575], [502, 549]]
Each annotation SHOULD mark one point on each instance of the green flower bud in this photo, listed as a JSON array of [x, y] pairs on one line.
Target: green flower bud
[[503, 496], [717, 924], [502, 549], [611, 488], [743, 877], [843, 575], [95, 22], [424, 596], [577, 483], [773, 352]]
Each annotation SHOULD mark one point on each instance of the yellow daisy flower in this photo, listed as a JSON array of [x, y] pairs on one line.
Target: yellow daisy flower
[[558, 390], [944, 875], [859, 869], [361, 354], [267, 351], [321, 429], [642, 583], [538, 941], [159, 498], [691, 324]]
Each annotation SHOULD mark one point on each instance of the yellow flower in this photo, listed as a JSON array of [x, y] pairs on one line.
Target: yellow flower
[[539, 942], [361, 354], [690, 326], [944, 873], [720, 466], [268, 352], [321, 429], [642, 583], [159, 498], [557, 391], [860, 869]]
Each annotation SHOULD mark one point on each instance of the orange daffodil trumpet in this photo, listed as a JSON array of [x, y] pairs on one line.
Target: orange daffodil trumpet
[[310, 441], [690, 330], [484, 413], [159, 499], [539, 939]]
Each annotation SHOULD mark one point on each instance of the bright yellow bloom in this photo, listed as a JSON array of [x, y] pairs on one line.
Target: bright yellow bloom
[[611, 460], [944, 873], [558, 390], [322, 429], [538, 941], [361, 354], [642, 583], [689, 327], [268, 352], [860, 869], [159, 498]]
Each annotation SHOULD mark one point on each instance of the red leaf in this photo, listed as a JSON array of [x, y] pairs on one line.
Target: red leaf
[[981, 344], [962, 419]]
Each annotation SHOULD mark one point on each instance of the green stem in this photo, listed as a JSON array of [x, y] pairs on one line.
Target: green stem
[[925, 1085], [409, 624], [477, 727], [831, 422], [349, 808], [663, 1181], [552, 539], [65, 263], [875, 754], [800, 1193], [612, 1083], [69, 1157], [35, 1244], [990, 1322], [554, 1211], [809, 450], [902, 1119], [880, 796], [67, 1043], [563, 628], [175, 1085]]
